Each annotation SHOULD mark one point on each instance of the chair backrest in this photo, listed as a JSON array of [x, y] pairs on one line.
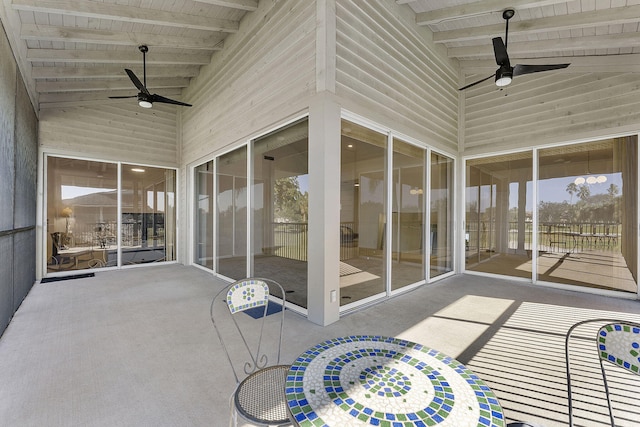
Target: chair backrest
[[618, 343], [239, 314]]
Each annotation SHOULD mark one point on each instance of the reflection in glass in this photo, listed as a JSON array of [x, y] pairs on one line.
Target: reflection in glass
[[498, 214], [148, 214], [82, 207], [280, 209], [203, 229], [407, 205], [587, 222], [362, 212], [83, 230], [441, 215], [231, 214]]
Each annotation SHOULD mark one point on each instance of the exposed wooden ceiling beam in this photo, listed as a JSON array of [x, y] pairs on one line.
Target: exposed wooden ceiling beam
[[615, 16], [90, 9], [609, 41], [86, 35], [579, 64], [115, 57], [121, 84], [478, 8], [111, 71], [248, 5]]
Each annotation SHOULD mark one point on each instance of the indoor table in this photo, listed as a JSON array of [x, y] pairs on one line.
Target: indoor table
[[365, 380]]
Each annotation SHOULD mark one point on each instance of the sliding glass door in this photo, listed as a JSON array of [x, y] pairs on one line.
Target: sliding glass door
[[362, 213], [84, 230], [498, 218], [587, 214], [582, 230]]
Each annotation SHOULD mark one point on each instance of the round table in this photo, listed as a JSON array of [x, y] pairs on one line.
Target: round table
[[365, 380]]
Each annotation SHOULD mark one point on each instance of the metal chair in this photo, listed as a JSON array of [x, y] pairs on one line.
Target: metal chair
[[618, 343], [239, 314]]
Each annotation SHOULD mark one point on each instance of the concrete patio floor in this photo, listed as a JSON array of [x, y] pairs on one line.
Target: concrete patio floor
[[136, 347]]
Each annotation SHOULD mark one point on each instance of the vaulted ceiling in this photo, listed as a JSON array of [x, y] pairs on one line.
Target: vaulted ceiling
[[592, 35], [75, 51]]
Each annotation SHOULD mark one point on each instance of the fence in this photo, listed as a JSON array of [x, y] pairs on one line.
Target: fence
[[552, 236]]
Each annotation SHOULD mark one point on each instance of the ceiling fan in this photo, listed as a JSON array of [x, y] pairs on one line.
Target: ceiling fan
[[145, 98], [506, 72]]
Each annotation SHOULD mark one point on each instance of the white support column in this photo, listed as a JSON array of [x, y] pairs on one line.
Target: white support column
[[323, 301]]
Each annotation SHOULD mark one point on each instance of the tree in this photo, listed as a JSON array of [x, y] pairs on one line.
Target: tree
[[613, 190], [289, 202], [572, 189], [584, 192]]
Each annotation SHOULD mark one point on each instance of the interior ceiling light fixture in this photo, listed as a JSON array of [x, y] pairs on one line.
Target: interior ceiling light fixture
[[590, 180], [146, 98], [139, 170], [505, 74]]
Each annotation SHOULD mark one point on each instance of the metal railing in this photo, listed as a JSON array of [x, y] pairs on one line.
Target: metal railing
[[552, 236]]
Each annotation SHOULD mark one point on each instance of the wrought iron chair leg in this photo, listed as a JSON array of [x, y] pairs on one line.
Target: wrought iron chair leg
[[233, 413], [606, 390]]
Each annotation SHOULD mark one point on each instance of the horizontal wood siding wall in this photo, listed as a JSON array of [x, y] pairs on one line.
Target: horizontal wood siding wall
[[549, 108], [120, 131], [390, 72], [264, 73]]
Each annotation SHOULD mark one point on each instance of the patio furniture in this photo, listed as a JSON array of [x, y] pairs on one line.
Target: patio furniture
[[365, 380], [618, 343], [239, 314]]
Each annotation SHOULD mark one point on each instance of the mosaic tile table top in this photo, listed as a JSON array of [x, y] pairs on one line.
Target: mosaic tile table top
[[379, 381]]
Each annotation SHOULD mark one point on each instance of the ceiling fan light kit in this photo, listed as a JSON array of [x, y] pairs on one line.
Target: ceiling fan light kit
[[145, 98], [505, 74]]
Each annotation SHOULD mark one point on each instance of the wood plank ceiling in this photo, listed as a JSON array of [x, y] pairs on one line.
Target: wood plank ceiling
[[75, 51], [591, 35]]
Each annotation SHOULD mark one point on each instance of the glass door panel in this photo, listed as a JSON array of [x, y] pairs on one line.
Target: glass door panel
[[362, 213], [498, 225], [440, 235], [587, 214], [407, 205], [203, 228], [82, 201], [148, 215], [280, 209], [231, 214]]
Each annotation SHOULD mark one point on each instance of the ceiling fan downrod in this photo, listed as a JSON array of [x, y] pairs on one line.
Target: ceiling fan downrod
[[506, 15], [144, 49]]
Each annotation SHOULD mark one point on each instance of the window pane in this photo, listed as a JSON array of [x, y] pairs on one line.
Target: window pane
[[498, 214], [232, 214], [81, 214], [148, 214], [441, 215], [280, 209], [362, 212], [407, 227], [204, 215], [587, 214]]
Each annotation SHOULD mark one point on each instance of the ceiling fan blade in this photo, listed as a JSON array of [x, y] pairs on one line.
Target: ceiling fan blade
[[478, 82], [136, 81], [122, 97], [159, 98], [500, 52], [521, 69]]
